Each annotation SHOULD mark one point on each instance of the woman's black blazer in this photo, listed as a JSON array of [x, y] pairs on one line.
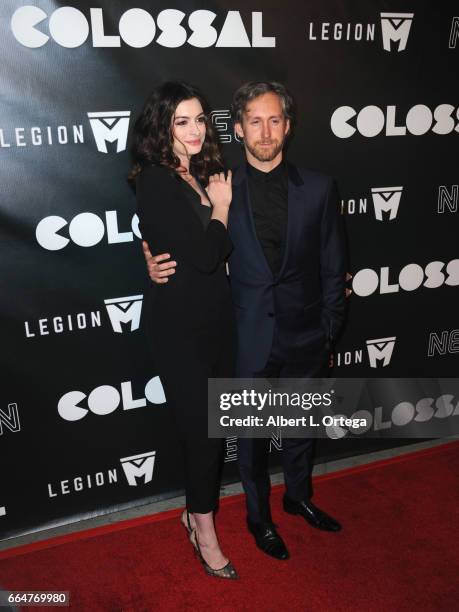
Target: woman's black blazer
[[169, 222]]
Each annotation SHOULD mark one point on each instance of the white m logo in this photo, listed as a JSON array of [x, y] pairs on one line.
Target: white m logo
[[139, 466], [124, 310], [386, 199], [380, 349], [396, 27], [110, 127]]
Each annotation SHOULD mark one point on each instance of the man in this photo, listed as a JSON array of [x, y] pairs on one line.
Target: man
[[287, 274]]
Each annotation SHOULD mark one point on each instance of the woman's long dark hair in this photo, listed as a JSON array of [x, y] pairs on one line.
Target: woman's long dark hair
[[152, 140]]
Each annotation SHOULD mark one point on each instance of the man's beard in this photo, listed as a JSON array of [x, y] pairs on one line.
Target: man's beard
[[265, 154]]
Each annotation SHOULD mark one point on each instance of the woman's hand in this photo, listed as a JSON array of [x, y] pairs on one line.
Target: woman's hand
[[219, 189]]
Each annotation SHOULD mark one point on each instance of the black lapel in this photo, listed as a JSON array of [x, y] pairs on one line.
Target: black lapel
[[295, 203]]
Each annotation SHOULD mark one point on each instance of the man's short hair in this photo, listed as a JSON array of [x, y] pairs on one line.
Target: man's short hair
[[254, 89]]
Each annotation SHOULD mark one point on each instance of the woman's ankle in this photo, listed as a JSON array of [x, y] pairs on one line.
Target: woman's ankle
[[208, 539]]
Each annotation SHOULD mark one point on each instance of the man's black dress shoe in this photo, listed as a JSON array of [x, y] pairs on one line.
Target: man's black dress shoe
[[312, 514], [268, 540]]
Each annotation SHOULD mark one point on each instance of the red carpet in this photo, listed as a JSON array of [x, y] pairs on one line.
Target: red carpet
[[398, 551]]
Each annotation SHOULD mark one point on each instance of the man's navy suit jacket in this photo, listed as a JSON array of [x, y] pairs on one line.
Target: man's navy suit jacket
[[304, 303]]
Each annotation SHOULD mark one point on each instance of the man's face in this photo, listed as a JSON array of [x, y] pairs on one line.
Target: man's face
[[263, 128]]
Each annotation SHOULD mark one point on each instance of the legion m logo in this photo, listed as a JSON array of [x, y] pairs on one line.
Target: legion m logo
[[386, 199], [110, 127], [124, 310], [396, 28], [380, 350], [139, 467]]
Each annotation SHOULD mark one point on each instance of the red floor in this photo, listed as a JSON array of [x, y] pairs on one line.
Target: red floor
[[397, 551]]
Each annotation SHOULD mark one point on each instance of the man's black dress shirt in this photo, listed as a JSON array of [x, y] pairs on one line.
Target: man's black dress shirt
[[269, 197]]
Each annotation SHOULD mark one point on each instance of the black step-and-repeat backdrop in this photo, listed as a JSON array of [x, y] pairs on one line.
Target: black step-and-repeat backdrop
[[84, 425]]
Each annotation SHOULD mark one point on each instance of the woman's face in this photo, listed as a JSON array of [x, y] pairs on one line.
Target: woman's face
[[188, 128]]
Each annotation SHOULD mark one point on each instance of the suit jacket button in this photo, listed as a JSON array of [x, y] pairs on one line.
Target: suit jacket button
[[270, 314]]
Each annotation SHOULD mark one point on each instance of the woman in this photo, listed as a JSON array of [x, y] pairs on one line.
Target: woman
[[190, 322]]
